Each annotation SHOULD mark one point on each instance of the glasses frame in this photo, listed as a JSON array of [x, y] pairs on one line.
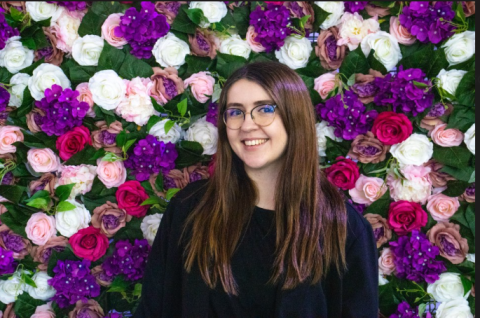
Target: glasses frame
[[251, 115]]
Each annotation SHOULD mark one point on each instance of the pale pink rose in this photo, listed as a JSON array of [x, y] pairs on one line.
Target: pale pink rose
[[325, 83], [386, 262], [112, 174], [201, 85], [137, 106], [108, 29], [353, 28], [40, 228], [446, 137], [400, 33], [43, 160], [254, 45], [138, 85], [367, 190], [44, 311], [86, 96], [65, 28], [82, 176], [416, 187], [8, 136], [442, 207]]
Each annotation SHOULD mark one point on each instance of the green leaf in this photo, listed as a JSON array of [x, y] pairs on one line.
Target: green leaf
[[168, 125], [63, 192], [131, 231], [151, 201], [16, 14], [472, 177], [421, 309], [118, 285], [133, 67], [462, 174], [39, 203], [99, 154], [420, 59], [198, 63], [5, 75], [457, 157], [111, 58], [227, 64], [182, 22], [375, 64], [455, 188], [81, 74], [137, 290], [12, 192], [84, 156], [465, 92], [159, 182], [65, 206], [196, 16], [189, 153], [9, 219], [29, 281], [128, 144], [25, 305], [420, 85], [121, 138], [157, 107], [320, 16], [241, 15], [381, 206], [355, 62], [105, 8], [171, 192], [462, 118], [467, 284], [182, 107], [152, 121], [351, 80], [470, 217], [336, 149], [388, 300], [436, 62]]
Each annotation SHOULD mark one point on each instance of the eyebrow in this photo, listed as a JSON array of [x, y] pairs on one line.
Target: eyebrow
[[257, 103]]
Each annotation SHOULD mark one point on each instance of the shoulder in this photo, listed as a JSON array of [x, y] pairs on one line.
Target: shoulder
[[357, 225], [186, 200]]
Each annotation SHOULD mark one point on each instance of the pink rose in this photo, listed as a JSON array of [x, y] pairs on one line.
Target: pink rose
[[43, 160], [254, 45], [415, 187], [108, 29], [65, 28], [40, 228], [201, 85], [400, 33], [325, 83], [450, 242], [138, 85], [442, 207], [446, 137], [86, 96], [112, 174], [44, 311], [386, 263], [8, 136], [367, 190]]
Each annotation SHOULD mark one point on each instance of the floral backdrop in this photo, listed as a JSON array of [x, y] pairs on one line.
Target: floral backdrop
[[107, 109]]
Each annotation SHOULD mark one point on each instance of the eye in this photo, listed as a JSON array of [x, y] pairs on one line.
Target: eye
[[234, 112], [267, 109]]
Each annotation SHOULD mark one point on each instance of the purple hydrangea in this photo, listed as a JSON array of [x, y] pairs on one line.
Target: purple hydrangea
[[6, 31], [347, 114], [405, 311], [114, 315], [7, 178], [71, 5], [355, 6], [7, 263], [4, 98], [73, 281], [212, 114], [415, 258], [127, 259], [428, 22], [13, 242], [402, 93], [271, 25], [151, 156], [142, 29], [437, 110], [62, 110]]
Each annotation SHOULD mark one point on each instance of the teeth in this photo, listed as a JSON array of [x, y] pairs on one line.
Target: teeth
[[255, 142]]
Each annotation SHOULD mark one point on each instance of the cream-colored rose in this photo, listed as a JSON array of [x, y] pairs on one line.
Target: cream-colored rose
[[415, 150], [150, 225], [10, 289], [40, 228], [401, 33], [214, 11], [295, 53], [324, 131], [204, 133], [234, 45], [19, 82], [336, 9], [470, 139], [174, 134], [86, 50], [458, 308], [325, 83], [42, 10], [8, 136], [367, 190], [108, 89], [449, 80], [386, 262], [45, 76], [43, 160], [108, 31], [112, 174], [69, 222], [442, 207], [250, 38], [43, 291], [170, 51], [460, 47], [387, 50], [82, 175], [66, 27], [448, 287], [353, 29], [415, 187], [15, 56]]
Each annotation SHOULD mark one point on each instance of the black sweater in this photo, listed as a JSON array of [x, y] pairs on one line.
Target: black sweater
[[170, 292]]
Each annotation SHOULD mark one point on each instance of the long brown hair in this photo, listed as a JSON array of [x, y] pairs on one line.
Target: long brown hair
[[310, 214]]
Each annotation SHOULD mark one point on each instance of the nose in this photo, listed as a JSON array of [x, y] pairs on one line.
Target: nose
[[248, 124]]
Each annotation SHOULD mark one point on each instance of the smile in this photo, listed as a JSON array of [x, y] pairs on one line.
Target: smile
[[255, 142]]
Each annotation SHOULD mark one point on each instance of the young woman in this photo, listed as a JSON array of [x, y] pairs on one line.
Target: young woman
[[267, 235]]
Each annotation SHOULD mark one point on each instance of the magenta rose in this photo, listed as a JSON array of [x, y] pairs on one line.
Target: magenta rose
[[73, 141], [392, 128], [129, 197], [89, 243], [344, 173], [406, 216]]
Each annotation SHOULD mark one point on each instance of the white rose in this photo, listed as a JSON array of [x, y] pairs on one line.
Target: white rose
[[470, 139], [471, 257], [82, 175], [69, 222], [234, 45], [19, 82], [415, 150], [43, 291], [86, 50], [170, 51], [214, 11], [10, 289], [42, 10], [174, 134], [458, 308], [460, 47], [295, 52], [137, 108], [336, 9], [449, 80], [205, 133], [448, 287], [382, 280], [150, 225], [45, 76], [15, 56], [324, 131], [387, 49], [107, 88], [353, 29]]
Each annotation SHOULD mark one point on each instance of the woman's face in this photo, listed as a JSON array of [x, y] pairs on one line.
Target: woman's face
[[267, 155]]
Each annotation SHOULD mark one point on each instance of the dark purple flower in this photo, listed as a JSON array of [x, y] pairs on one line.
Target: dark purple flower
[[13, 242], [331, 44], [71, 5], [7, 263], [355, 6], [437, 110], [212, 114], [8, 178], [470, 191], [6, 31], [270, 24], [4, 98], [108, 138], [405, 311], [127, 259], [170, 87]]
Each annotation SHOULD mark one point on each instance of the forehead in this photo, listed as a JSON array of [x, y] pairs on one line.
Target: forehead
[[246, 92]]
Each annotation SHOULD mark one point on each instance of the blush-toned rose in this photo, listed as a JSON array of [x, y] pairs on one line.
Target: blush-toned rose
[[299, 9], [204, 43], [165, 84], [392, 128], [108, 33], [129, 197], [368, 149], [105, 136], [446, 137], [343, 174], [401, 33], [373, 10], [43, 160], [89, 243], [41, 254], [52, 54], [46, 182], [448, 239], [100, 276], [365, 87], [188, 174], [415, 186], [367, 190], [73, 141], [325, 83], [250, 38], [432, 119], [8, 136], [40, 228], [386, 262], [86, 96], [19, 5], [405, 216], [9, 311], [11, 241], [330, 54], [44, 311], [469, 194], [112, 174], [169, 9], [380, 227], [439, 179], [442, 207], [201, 85], [109, 218], [65, 28], [33, 118], [469, 8], [82, 175], [90, 309]]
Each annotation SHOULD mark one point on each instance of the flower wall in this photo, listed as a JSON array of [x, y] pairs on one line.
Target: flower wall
[[107, 109]]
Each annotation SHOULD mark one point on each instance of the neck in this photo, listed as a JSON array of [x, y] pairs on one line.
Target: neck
[[265, 182]]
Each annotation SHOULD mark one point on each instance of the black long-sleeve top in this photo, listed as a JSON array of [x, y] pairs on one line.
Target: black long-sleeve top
[[170, 292]]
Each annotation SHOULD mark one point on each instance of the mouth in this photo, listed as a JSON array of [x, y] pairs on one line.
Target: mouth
[[254, 142]]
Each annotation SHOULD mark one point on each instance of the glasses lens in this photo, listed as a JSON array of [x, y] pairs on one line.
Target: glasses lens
[[264, 115], [233, 118]]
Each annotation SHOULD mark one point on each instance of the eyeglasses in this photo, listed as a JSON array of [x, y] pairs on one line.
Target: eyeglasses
[[262, 115]]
